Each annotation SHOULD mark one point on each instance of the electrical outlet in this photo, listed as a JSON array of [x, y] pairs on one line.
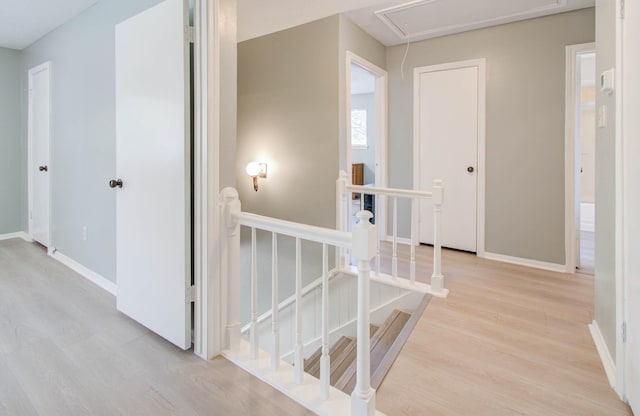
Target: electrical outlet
[[85, 233]]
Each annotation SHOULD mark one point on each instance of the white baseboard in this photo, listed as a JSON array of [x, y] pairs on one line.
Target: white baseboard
[[85, 272], [19, 234], [607, 361], [526, 262]]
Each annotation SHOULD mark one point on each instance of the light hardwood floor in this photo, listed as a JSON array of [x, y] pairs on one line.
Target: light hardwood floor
[[509, 340], [65, 350]]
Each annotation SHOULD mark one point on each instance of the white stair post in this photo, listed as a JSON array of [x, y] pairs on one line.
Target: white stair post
[[363, 398], [342, 216], [437, 279], [231, 265]]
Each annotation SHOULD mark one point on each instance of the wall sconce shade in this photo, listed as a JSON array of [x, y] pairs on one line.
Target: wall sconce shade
[[256, 170]]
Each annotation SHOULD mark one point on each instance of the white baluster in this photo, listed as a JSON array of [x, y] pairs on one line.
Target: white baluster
[[275, 322], [437, 280], [254, 298], [298, 357], [230, 284], [324, 359], [414, 231], [342, 216], [363, 400], [394, 257], [380, 231]]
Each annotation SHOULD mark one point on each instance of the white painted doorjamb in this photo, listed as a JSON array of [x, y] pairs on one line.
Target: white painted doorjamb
[[620, 230], [201, 336], [210, 291], [571, 73], [381, 106], [482, 87], [46, 65]]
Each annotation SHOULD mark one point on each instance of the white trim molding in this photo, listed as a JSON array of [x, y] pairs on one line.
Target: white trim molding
[[605, 356], [536, 264], [20, 234], [85, 272]]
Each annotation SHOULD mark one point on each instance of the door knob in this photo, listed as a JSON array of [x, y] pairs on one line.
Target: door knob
[[44, 168], [470, 169], [115, 183]]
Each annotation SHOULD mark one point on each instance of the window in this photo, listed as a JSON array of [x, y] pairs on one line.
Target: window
[[359, 129]]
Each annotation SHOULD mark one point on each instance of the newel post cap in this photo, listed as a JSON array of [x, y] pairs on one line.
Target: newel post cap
[[364, 237]]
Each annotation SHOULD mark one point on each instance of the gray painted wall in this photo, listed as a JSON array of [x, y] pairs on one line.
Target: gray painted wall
[[367, 156], [524, 125], [82, 53], [12, 174], [605, 249]]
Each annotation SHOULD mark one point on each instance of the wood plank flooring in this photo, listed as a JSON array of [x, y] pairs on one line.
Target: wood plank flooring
[[65, 350], [509, 340]]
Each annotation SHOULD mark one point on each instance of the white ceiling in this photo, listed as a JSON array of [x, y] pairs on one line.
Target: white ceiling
[[393, 22], [22, 22]]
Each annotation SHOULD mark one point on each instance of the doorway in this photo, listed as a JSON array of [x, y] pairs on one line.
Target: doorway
[[580, 158], [366, 125], [449, 117], [39, 166]]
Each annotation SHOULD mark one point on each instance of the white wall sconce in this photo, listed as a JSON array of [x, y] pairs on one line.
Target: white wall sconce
[[256, 170]]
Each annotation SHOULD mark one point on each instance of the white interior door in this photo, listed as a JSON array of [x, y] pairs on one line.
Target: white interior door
[[447, 125], [39, 134], [152, 160]]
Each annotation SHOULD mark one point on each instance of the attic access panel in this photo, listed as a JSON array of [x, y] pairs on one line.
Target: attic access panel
[[430, 18]]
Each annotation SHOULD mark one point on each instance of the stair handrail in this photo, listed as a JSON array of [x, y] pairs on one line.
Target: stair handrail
[[344, 188], [362, 241]]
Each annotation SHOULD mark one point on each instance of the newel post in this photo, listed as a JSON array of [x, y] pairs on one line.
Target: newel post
[[437, 279], [231, 258], [363, 398], [342, 215]]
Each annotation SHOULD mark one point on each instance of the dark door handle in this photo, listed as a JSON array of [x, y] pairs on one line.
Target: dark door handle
[[115, 183], [470, 169], [44, 168]]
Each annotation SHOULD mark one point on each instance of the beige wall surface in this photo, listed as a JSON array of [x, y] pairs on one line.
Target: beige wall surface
[[287, 116], [524, 125], [605, 249]]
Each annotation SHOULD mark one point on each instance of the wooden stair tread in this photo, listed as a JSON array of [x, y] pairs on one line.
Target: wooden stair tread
[[380, 343], [312, 364]]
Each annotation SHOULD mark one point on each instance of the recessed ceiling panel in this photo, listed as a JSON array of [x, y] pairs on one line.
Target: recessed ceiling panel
[[432, 17]]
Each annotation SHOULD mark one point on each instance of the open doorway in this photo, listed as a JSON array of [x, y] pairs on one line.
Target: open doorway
[[366, 145], [580, 158]]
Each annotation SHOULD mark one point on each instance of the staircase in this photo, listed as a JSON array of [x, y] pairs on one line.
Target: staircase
[[342, 355]]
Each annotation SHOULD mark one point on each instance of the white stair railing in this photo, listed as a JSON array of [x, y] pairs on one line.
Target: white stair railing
[[344, 189], [362, 242]]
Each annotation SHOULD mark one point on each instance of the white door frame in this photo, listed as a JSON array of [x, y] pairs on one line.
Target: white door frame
[[206, 211], [30, 190], [627, 130], [571, 96], [381, 106], [482, 86]]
